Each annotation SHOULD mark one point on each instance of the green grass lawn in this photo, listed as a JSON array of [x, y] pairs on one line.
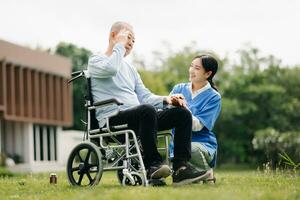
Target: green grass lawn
[[231, 184]]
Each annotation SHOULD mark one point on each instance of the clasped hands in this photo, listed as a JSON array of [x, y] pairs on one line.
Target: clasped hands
[[176, 100]]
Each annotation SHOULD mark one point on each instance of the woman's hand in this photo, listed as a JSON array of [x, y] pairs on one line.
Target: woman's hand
[[178, 100]]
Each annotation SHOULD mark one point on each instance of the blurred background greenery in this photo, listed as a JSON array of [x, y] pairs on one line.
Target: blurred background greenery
[[260, 100]]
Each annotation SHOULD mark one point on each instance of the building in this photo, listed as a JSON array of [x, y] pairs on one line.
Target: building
[[35, 102]]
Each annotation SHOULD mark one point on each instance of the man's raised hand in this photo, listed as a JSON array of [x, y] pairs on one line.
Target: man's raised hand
[[122, 36]]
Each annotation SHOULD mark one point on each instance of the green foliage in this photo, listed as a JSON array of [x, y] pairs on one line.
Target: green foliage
[[79, 57], [258, 94], [288, 161], [271, 143], [152, 80]]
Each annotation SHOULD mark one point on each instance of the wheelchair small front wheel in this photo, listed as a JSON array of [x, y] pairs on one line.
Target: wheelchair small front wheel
[[138, 180], [120, 175], [84, 166]]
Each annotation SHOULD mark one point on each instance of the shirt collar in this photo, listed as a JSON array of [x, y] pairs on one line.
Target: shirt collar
[[196, 93]]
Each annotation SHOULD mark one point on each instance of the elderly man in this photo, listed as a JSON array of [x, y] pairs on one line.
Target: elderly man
[[113, 77]]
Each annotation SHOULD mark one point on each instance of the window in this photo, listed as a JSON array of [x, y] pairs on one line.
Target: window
[[44, 140]]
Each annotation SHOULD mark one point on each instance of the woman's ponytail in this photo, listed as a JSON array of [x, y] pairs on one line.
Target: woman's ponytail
[[212, 84]]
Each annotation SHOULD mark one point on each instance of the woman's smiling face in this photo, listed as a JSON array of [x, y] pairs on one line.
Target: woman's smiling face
[[196, 71]]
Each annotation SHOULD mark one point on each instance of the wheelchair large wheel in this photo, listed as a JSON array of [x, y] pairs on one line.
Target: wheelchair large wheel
[[84, 167]]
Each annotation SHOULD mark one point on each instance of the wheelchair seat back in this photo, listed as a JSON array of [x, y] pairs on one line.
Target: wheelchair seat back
[[89, 98]]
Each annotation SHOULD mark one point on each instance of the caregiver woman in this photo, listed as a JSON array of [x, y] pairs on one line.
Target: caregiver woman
[[202, 98]]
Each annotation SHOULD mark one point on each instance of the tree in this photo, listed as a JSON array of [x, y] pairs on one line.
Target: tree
[[79, 57], [260, 95]]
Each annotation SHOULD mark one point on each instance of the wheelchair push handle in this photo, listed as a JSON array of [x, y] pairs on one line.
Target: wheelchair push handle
[[76, 75]]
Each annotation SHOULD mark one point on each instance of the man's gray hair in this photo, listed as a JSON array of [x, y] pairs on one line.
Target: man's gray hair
[[117, 26]]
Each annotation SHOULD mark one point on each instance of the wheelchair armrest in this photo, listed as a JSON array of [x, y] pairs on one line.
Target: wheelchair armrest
[[108, 101]]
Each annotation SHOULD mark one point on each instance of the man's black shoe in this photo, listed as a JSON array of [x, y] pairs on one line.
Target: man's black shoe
[[187, 174]]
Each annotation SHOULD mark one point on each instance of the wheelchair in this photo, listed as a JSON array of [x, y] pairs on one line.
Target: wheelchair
[[110, 148]]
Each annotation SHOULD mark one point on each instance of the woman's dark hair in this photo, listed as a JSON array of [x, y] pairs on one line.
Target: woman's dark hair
[[209, 63]]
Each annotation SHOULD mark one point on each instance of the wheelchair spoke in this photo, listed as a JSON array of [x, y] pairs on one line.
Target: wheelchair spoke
[[79, 156], [80, 178], [87, 156], [89, 176], [75, 169]]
